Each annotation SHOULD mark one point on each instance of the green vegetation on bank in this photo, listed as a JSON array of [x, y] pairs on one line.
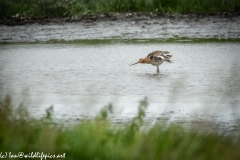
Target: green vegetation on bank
[[99, 139], [64, 8]]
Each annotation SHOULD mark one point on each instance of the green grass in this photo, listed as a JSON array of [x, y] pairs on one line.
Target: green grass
[[100, 139], [64, 8]]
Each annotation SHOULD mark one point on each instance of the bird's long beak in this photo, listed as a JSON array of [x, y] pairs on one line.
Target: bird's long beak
[[134, 63]]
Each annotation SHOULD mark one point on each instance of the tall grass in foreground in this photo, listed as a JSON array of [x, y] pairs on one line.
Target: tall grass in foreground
[[99, 139], [63, 8]]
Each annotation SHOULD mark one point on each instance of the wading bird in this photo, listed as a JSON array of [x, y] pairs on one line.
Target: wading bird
[[155, 58]]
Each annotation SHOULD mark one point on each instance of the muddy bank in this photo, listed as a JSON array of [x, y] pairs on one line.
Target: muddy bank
[[122, 26], [17, 20]]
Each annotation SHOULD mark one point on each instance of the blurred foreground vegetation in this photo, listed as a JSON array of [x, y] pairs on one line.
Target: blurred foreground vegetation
[[65, 8], [100, 139]]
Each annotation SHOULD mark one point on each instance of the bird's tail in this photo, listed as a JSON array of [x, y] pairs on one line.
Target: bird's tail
[[168, 60]]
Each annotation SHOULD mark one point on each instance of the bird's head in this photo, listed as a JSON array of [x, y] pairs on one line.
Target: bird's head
[[141, 60]]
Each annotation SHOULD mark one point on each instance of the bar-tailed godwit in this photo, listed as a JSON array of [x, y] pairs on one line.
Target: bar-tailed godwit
[[155, 58]]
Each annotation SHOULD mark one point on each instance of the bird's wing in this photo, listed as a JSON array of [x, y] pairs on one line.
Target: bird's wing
[[158, 56], [152, 53], [165, 52]]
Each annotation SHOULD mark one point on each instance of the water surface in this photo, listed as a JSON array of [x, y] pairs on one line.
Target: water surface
[[127, 27], [79, 79]]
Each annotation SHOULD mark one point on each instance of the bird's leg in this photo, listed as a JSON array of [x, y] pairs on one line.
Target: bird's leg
[[158, 70]]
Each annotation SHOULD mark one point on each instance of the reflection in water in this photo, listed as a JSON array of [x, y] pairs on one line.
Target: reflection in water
[[80, 79]]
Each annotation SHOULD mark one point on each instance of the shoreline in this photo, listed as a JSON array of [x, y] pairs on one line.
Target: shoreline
[[101, 17]]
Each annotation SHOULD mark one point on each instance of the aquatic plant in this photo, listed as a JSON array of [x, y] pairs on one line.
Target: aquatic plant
[[100, 139], [66, 8]]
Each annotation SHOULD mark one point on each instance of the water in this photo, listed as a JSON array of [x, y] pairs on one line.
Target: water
[[79, 79], [123, 27]]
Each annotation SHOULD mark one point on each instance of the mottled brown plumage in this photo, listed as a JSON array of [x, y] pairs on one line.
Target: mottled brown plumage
[[155, 58]]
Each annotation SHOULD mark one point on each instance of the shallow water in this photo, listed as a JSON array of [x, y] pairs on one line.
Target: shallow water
[[78, 79], [124, 27]]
